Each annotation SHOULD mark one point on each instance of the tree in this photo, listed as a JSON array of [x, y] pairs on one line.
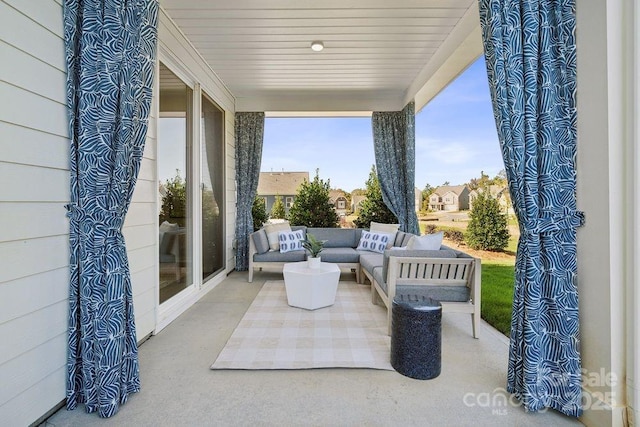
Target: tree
[[426, 193], [373, 207], [259, 213], [312, 206], [277, 210], [487, 228], [174, 201]]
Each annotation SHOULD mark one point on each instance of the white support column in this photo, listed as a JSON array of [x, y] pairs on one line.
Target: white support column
[[633, 212], [604, 270]]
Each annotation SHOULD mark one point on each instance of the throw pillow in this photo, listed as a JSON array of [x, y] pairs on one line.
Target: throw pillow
[[272, 231], [373, 242], [291, 241], [388, 229], [428, 241]]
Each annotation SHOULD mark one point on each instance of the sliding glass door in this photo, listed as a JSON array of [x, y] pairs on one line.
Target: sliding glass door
[[174, 186], [191, 186], [212, 187]]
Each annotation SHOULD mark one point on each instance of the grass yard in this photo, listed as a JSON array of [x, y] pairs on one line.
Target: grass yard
[[497, 295], [497, 274]]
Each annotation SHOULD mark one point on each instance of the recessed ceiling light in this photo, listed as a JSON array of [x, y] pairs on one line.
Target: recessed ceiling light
[[317, 46]]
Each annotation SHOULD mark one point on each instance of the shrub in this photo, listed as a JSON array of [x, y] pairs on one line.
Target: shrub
[[373, 207], [487, 229], [174, 201], [277, 210], [312, 206], [259, 213], [430, 229], [456, 236]]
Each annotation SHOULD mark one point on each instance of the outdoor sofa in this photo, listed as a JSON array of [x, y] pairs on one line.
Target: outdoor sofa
[[445, 274]]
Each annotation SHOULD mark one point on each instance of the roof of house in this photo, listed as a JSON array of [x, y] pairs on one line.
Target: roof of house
[[334, 194], [280, 183], [494, 190], [444, 189]]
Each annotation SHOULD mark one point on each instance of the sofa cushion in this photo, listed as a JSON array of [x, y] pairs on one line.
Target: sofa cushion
[[335, 237], [277, 256], [291, 241], [370, 260], [413, 253], [428, 241], [260, 241], [400, 237], [340, 255], [374, 242], [390, 229], [272, 231], [436, 293]]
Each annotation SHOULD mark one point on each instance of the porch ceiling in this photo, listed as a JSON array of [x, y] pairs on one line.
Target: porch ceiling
[[378, 55]]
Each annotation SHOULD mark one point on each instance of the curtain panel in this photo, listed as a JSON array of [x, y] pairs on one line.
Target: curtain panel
[[530, 55], [110, 51], [249, 136], [394, 147]]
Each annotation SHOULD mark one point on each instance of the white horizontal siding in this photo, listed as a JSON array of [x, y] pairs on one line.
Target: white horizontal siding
[[32, 220], [34, 158], [35, 400], [20, 29], [33, 147], [34, 184]]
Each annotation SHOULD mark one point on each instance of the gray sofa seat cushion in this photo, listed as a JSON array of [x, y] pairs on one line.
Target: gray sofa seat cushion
[[435, 292], [340, 255], [277, 256], [370, 260], [335, 237]]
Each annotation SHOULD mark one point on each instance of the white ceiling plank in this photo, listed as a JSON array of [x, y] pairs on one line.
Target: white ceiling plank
[[378, 53]]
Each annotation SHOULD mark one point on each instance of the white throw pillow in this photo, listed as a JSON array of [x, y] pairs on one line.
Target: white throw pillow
[[388, 229], [272, 231], [291, 241], [430, 242], [373, 242]]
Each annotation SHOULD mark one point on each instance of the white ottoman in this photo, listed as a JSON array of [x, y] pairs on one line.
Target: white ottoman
[[311, 288]]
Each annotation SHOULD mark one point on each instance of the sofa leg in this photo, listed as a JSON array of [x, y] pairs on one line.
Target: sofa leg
[[357, 275], [475, 323]]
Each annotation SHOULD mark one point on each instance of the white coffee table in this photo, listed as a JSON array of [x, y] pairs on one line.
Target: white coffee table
[[311, 288]]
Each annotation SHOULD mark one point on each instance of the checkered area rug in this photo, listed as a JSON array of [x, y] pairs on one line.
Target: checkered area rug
[[272, 335]]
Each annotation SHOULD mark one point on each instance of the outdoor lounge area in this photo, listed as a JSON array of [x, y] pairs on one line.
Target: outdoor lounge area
[[178, 388], [119, 118]]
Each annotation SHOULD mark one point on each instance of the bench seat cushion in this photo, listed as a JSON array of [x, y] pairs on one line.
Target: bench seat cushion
[[437, 293], [340, 255], [277, 256], [370, 260]]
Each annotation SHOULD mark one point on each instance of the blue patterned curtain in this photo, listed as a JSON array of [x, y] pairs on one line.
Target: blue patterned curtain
[[110, 53], [249, 136], [394, 145], [531, 62]]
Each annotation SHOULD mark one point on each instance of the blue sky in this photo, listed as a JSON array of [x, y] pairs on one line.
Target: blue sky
[[455, 140]]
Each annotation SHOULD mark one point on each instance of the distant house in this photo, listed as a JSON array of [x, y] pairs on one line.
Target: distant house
[[497, 192], [356, 201], [449, 198], [340, 202], [282, 184]]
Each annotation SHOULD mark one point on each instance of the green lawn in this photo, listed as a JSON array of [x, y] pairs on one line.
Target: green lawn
[[497, 282], [497, 295]]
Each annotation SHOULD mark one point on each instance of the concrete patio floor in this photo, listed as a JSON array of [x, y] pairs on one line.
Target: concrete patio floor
[[179, 389]]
